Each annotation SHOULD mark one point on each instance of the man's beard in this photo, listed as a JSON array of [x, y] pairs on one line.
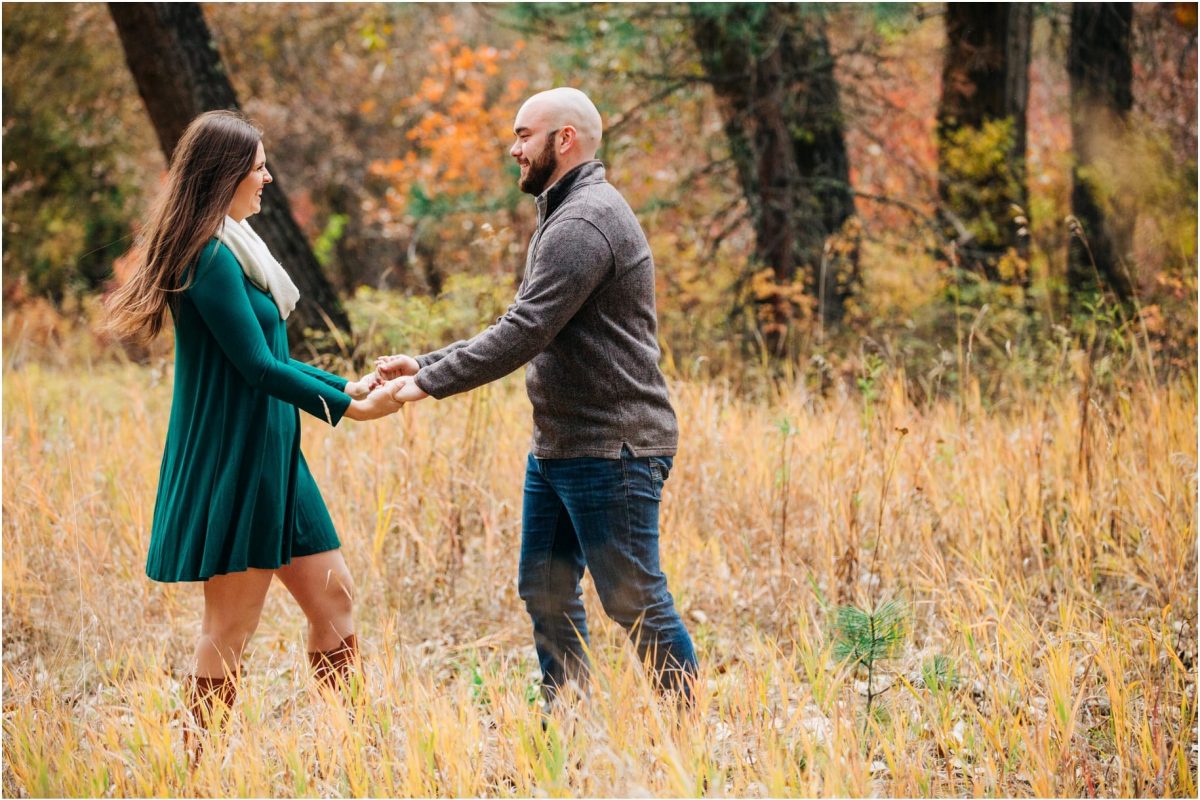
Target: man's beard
[[540, 170]]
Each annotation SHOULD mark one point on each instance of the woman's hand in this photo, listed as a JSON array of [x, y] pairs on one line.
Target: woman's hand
[[397, 366], [362, 387], [377, 404]]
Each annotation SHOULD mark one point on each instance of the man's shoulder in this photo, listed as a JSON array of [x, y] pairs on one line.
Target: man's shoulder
[[598, 203], [572, 232], [596, 189]]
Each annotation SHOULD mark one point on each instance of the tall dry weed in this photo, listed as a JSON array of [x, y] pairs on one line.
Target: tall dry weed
[[1058, 592]]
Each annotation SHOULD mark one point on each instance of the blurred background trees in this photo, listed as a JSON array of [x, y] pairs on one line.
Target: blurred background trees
[[817, 181], [981, 134], [75, 143], [771, 69], [178, 71], [1100, 66]]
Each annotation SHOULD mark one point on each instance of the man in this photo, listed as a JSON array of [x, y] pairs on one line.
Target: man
[[604, 431]]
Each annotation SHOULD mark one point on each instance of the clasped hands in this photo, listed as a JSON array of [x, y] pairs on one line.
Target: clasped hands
[[386, 389]]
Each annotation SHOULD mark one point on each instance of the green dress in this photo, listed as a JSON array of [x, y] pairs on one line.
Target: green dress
[[234, 491]]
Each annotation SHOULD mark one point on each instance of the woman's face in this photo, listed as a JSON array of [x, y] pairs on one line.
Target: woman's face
[[247, 199]]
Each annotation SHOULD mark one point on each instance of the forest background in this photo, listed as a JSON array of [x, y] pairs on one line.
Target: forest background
[[389, 128], [927, 292]]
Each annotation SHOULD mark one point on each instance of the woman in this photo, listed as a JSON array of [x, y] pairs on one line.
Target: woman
[[236, 502]]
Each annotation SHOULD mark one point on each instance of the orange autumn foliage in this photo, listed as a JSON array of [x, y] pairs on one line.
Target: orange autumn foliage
[[463, 111]]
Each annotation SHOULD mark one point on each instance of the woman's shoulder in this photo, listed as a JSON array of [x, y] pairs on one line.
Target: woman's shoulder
[[214, 249], [214, 257]]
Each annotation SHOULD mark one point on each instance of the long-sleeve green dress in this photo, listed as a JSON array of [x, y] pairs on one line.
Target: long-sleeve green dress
[[234, 491]]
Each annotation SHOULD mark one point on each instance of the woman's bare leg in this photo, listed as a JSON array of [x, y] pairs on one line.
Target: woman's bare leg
[[322, 586], [233, 604]]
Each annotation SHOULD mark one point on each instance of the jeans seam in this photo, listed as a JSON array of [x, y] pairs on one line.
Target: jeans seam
[[628, 543], [548, 566], [549, 558]]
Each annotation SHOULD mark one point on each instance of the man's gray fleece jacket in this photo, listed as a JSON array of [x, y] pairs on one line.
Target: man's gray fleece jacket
[[584, 321]]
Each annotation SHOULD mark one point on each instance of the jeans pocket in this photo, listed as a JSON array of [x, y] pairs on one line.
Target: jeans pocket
[[657, 476], [664, 465]]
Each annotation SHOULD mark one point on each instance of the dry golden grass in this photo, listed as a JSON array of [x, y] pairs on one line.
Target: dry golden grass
[[1060, 581]]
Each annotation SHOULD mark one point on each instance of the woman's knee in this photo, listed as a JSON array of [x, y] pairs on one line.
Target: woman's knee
[[219, 649], [228, 636], [335, 598], [229, 622]]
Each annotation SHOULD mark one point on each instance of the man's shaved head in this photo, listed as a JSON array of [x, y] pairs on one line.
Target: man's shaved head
[[557, 108], [557, 130]]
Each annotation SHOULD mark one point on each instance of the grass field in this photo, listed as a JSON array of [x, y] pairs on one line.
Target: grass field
[[1043, 551]]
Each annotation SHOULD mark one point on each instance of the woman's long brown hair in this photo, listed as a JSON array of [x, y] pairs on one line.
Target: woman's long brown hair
[[212, 157]]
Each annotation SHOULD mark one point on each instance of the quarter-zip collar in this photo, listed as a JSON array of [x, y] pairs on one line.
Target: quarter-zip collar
[[552, 198]]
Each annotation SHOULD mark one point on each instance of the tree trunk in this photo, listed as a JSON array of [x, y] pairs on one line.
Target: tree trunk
[[772, 72], [179, 74], [1101, 75], [981, 135]]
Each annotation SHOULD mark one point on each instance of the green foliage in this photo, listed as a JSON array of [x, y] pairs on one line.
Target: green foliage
[[867, 637], [741, 22], [421, 205], [389, 321], [939, 674], [872, 368], [892, 20], [67, 180], [982, 181], [324, 245], [595, 36]]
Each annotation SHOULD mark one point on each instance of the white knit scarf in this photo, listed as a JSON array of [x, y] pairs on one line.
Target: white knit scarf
[[259, 265]]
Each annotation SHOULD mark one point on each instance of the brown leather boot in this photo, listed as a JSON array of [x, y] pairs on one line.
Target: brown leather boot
[[336, 667], [209, 700]]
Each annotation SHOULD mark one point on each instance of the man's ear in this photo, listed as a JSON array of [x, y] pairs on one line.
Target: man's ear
[[569, 135]]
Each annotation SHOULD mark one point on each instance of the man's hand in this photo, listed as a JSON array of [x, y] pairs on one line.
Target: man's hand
[[378, 403], [397, 366], [359, 389], [405, 390]]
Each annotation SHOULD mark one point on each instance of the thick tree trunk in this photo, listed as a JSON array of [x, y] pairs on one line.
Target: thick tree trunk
[[985, 91], [772, 72], [179, 74], [1101, 74], [819, 147]]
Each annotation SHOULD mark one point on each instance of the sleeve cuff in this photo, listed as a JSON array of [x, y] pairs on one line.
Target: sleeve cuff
[[430, 386], [337, 408]]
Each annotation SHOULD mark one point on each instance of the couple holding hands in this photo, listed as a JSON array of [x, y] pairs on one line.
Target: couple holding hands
[[236, 502]]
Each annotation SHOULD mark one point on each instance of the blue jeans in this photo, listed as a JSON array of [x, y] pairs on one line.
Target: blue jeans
[[601, 514]]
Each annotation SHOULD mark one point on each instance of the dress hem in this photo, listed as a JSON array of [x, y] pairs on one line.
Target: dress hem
[[234, 571]]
